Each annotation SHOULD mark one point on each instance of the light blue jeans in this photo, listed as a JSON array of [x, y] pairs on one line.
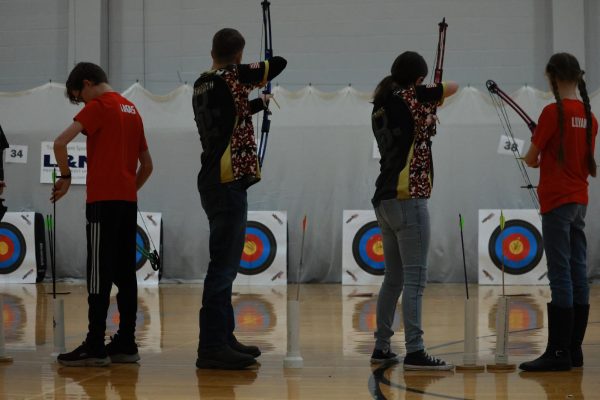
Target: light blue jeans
[[566, 251], [406, 232]]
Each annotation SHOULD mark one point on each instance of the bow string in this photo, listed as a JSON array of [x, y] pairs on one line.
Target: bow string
[[500, 99]]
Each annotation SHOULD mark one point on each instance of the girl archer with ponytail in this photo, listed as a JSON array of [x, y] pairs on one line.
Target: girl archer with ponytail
[[403, 110], [563, 148]]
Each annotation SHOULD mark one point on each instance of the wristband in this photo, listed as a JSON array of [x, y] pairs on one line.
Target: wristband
[[68, 176]]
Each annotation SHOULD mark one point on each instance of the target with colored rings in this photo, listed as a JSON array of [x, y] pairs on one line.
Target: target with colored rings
[[12, 248], [367, 249], [519, 247], [260, 249], [141, 242]]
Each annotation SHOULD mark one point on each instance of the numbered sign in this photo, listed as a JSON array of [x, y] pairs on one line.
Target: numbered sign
[[16, 154], [510, 146]]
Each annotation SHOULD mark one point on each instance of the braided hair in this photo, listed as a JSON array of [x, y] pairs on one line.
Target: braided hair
[[564, 67]]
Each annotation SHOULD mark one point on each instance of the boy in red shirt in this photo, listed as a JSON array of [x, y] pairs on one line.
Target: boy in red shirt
[[115, 145], [563, 148]]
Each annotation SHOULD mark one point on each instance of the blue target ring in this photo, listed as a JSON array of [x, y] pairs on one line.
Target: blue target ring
[[259, 251], [519, 247], [141, 242], [367, 249], [12, 248]]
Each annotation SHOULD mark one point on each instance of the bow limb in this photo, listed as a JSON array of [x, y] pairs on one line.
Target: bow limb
[[494, 89], [266, 122], [3, 145], [441, 50]]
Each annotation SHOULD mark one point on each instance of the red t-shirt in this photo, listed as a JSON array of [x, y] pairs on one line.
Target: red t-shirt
[[567, 182], [115, 139]]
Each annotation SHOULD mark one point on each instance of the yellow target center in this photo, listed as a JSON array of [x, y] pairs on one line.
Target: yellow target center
[[250, 247], [378, 248], [516, 246], [3, 248]]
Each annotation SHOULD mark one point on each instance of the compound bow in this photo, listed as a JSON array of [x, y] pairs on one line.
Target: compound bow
[[499, 99]]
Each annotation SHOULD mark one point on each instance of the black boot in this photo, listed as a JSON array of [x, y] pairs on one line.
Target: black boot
[[557, 356], [223, 358], [580, 320], [254, 351]]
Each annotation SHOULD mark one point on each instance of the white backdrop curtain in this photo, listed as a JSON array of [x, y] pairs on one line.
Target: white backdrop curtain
[[318, 162]]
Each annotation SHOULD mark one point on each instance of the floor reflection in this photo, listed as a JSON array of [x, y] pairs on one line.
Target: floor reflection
[[148, 321], [360, 321], [260, 317], [525, 321], [116, 382]]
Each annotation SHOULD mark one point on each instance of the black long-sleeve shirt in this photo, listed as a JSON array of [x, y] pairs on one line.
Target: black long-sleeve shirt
[[223, 116]]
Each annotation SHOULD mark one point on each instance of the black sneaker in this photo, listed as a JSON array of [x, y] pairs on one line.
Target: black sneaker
[[421, 361], [254, 351], [85, 356], [223, 358], [122, 351], [383, 357]]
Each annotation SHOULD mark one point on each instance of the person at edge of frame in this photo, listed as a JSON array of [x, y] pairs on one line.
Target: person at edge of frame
[[115, 145], [230, 166], [563, 148], [402, 119]]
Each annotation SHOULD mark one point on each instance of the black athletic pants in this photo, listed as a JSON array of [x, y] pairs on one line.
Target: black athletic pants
[[111, 233]]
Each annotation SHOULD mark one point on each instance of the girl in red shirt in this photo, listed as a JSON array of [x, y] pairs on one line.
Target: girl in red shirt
[[563, 148]]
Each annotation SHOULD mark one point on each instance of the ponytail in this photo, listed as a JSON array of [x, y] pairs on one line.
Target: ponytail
[[384, 90]]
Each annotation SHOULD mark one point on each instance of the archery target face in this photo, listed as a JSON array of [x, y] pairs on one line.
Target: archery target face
[[518, 248], [264, 256], [148, 235], [362, 249], [259, 251], [18, 261], [141, 243], [12, 248], [367, 249]]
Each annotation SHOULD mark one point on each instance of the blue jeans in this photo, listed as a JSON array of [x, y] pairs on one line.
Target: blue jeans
[[566, 252], [406, 232], [226, 207]]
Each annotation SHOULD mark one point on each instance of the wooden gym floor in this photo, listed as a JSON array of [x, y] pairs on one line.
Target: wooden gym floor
[[336, 337]]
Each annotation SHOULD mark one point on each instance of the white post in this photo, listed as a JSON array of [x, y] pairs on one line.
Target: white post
[[59, 327], [471, 345], [502, 331], [293, 358]]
